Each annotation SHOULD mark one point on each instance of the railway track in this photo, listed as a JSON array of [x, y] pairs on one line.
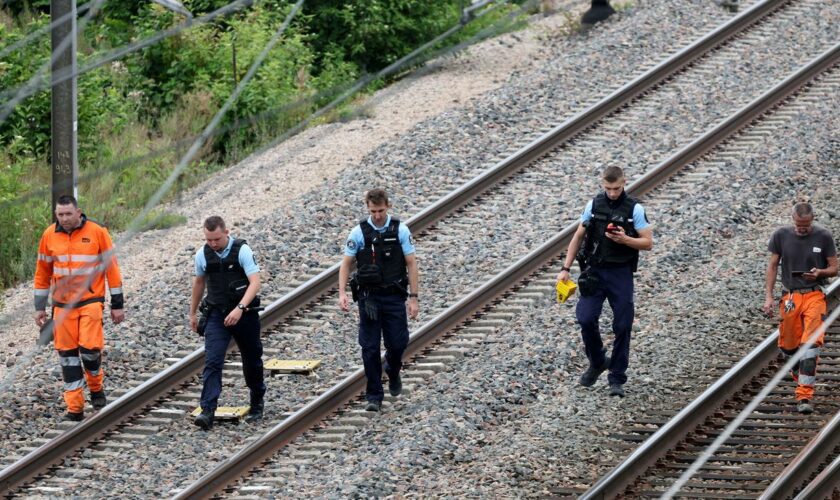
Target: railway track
[[298, 310], [769, 456], [526, 274]]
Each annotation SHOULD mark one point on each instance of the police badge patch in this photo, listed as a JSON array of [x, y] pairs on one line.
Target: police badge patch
[[351, 244], [411, 239]]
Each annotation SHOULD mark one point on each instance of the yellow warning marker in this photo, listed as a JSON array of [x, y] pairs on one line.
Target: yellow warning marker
[[565, 289], [303, 366], [227, 412]]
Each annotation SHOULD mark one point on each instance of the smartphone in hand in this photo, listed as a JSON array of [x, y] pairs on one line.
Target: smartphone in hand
[[798, 274]]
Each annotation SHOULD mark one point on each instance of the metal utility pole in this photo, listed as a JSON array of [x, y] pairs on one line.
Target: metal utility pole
[[64, 120]]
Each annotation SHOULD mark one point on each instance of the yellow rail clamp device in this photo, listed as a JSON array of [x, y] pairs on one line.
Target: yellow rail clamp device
[[302, 366], [227, 412], [565, 289]]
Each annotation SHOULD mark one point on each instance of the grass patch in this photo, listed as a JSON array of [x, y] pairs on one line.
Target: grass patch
[[623, 6], [162, 220]]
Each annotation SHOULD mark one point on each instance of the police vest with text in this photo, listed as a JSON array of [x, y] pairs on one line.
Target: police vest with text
[[380, 264], [598, 250], [226, 280]]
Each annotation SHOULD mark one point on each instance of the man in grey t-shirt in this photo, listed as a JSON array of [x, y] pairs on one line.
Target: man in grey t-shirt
[[808, 257]]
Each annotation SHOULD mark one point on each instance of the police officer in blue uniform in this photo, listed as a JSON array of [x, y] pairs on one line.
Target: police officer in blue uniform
[[227, 269], [386, 274], [613, 228]]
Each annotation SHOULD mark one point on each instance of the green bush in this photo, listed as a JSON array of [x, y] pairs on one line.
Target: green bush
[[151, 104], [374, 33]]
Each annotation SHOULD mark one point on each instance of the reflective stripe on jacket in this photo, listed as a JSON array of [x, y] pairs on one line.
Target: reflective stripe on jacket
[[76, 265]]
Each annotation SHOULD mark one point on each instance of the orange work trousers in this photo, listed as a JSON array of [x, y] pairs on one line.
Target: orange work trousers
[[79, 341], [796, 327]]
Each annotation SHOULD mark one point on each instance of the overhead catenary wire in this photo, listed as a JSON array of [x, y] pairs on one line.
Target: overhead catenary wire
[[179, 145], [492, 30], [38, 82], [403, 62], [137, 222], [408, 60], [15, 96], [391, 69], [751, 406]]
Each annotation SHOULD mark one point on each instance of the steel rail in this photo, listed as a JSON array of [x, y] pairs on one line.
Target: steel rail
[[615, 482], [806, 462], [41, 458], [147, 393], [824, 485], [258, 451], [326, 280]]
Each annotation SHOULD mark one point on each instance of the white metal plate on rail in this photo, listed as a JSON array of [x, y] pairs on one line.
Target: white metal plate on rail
[[226, 412], [303, 366]]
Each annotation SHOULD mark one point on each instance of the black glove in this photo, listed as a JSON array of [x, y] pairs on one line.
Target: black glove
[[46, 335]]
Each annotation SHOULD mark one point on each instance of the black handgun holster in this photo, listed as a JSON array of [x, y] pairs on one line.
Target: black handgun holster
[[588, 283]]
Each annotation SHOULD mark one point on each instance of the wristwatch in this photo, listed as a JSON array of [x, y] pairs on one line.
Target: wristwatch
[[412, 295], [564, 268], [241, 306]]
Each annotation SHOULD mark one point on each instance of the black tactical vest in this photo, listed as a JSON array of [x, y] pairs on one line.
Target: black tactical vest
[[226, 280], [598, 250], [381, 263]]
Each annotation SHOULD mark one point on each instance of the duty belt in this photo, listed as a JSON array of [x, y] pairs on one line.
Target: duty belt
[[392, 289], [79, 304], [805, 290]]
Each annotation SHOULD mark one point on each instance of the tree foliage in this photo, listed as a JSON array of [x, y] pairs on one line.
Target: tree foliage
[[145, 103], [374, 33]]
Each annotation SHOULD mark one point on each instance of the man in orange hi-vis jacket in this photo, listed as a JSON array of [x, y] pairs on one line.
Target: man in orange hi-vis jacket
[[75, 257]]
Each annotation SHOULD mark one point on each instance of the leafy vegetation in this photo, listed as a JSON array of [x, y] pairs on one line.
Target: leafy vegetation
[[138, 115]]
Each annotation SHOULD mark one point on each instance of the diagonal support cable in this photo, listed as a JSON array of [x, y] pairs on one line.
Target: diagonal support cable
[[135, 224], [391, 69], [5, 51], [39, 82], [40, 77], [498, 27]]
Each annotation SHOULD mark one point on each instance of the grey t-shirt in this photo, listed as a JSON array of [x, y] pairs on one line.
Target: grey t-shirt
[[801, 253]]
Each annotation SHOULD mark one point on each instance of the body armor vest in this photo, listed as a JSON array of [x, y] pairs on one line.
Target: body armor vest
[[381, 263], [598, 250], [226, 280]]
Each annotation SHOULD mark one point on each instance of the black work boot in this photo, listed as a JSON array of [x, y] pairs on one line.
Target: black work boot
[[374, 406], [74, 417], [204, 420], [805, 406], [592, 373], [255, 413], [616, 390], [98, 400], [394, 385]]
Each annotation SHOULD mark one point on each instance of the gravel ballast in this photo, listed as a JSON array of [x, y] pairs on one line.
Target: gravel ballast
[[304, 228]]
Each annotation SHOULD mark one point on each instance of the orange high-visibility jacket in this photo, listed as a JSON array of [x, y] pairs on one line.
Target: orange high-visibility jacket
[[76, 266]]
